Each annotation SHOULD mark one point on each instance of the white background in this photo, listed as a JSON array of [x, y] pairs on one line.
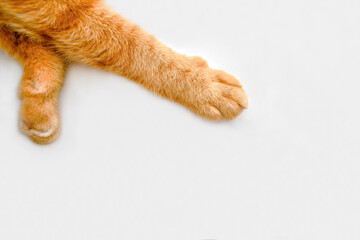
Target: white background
[[131, 165]]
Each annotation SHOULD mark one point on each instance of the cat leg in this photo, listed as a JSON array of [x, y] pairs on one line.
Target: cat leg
[[40, 85], [106, 40], [39, 91]]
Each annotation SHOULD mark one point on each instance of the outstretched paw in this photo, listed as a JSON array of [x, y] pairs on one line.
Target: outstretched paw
[[221, 96]]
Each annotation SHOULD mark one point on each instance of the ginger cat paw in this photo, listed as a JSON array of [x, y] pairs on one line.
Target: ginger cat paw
[[220, 96], [89, 32], [40, 119]]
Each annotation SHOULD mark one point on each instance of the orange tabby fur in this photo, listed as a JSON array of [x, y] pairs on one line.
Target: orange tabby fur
[[46, 35]]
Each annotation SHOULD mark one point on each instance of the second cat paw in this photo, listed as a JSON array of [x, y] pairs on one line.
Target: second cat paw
[[39, 119]]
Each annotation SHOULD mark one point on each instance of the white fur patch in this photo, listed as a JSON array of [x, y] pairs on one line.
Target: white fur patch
[[42, 134]]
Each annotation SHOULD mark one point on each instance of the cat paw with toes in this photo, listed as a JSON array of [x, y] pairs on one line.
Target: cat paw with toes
[[222, 97], [39, 119]]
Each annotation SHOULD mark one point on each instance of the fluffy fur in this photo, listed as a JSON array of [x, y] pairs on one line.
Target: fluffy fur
[[47, 35]]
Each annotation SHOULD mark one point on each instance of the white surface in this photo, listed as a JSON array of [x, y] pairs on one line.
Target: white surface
[[130, 165]]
